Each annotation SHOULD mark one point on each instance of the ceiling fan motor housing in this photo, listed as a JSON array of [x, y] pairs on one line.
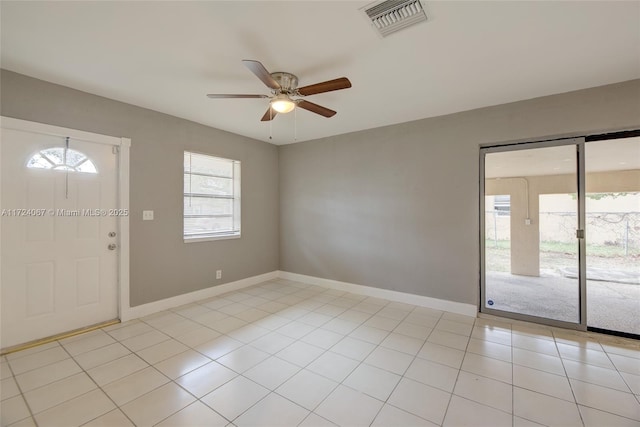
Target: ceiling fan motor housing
[[288, 82], [283, 87]]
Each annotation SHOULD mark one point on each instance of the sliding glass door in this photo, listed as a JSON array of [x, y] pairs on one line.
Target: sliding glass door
[[613, 235], [560, 241], [531, 250]]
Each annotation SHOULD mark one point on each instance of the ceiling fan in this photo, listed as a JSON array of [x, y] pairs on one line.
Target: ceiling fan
[[284, 86]]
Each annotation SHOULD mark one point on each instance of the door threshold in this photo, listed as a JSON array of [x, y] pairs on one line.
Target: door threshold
[[614, 333], [52, 338]]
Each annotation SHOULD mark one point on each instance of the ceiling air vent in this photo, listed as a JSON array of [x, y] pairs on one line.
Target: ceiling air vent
[[393, 15]]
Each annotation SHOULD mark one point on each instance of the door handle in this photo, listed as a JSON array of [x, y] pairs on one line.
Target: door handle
[[112, 246]]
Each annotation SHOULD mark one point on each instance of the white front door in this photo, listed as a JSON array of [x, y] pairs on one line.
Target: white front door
[[59, 218]]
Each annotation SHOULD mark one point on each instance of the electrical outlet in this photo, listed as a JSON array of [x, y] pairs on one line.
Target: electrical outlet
[[527, 221], [147, 215], [218, 274]]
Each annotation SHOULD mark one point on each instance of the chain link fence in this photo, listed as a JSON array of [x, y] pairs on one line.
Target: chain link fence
[[618, 231], [497, 227], [612, 233], [613, 240]]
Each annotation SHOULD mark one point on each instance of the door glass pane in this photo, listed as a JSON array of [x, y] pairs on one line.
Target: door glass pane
[[61, 158], [531, 253], [613, 234], [498, 233]]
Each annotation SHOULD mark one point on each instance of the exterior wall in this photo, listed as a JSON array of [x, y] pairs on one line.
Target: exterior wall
[[525, 238], [162, 265], [397, 207]]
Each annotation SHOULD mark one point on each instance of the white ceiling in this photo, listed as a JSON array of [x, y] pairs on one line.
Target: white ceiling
[[167, 55]]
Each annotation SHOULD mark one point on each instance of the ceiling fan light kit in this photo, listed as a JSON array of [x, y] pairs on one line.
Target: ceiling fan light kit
[[282, 103], [285, 91]]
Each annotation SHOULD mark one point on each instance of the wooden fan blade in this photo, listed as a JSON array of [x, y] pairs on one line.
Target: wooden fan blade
[[269, 115], [328, 86], [258, 69], [222, 95], [315, 108]]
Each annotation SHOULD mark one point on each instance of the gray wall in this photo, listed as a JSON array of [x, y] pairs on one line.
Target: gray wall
[[398, 207], [162, 265], [393, 207]]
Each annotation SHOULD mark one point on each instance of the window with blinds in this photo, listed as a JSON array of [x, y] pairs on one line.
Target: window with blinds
[[211, 197]]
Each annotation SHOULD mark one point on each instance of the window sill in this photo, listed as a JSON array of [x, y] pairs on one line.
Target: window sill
[[210, 238]]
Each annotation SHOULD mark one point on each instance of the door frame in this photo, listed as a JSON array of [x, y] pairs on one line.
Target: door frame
[[122, 145], [580, 186]]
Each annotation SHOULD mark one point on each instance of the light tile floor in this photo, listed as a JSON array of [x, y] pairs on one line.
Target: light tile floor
[[287, 353]]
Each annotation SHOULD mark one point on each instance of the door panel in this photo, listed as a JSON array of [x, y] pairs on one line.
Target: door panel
[[40, 288], [40, 191], [530, 250], [57, 272], [613, 234], [87, 280]]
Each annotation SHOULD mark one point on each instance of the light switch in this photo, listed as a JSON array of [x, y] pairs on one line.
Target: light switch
[[147, 215]]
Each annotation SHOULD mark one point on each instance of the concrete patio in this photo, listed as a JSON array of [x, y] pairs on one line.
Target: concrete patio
[[610, 304]]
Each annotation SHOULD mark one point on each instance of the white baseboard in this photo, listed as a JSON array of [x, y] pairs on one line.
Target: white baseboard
[[435, 303], [156, 306], [165, 304]]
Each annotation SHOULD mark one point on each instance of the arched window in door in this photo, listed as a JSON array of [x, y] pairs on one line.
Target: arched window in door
[[62, 158]]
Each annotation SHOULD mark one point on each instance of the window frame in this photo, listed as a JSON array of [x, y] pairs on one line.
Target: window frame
[[236, 212]]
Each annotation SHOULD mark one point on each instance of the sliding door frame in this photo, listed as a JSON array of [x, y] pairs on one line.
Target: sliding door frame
[[580, 174], [631, 133]]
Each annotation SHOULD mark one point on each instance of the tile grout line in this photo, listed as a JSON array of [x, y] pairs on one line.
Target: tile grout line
[[568, 380], [312, 411], [586, 382], [170, 380], [361, 362], [98, 387], [444, 416], [275, 355], [316, 297], [620, 372], [386, 402], [369, 354], [24, 399], [197, 399]]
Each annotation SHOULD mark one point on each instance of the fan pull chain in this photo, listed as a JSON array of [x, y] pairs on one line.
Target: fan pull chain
[[270, 122], [64, 161], [295, 124], [190, 180]]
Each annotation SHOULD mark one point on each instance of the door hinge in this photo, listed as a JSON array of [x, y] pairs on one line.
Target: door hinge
[[580, 234]]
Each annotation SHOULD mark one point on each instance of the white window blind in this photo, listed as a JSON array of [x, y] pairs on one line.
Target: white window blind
[[211, 197]]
